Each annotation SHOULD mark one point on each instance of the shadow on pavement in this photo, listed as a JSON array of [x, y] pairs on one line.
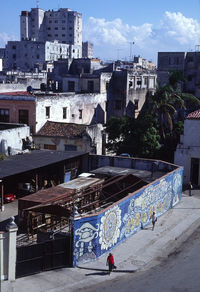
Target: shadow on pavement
[[98, 274], [106, 271]]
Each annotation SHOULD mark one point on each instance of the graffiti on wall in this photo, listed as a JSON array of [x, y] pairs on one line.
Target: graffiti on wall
[[126, 218], [110, 228], [86, 233]]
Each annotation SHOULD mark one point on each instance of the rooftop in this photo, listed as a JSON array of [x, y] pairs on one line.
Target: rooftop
[[57, 129], [29, 161], [194, 115]]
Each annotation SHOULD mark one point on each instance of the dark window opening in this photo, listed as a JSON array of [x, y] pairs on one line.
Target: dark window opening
[[4, 115], [47, 112], [64, 112], [91, 86], [118, 104], [71, 85], [70, 148], [80, 114], [136, 104], [23, 117]]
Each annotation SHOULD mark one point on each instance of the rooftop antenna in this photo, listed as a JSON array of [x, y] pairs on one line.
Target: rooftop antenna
[[37, 3]]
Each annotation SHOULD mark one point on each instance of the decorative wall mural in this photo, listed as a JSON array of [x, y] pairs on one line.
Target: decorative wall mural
[[110, 228], [86, 233], [103, 231]]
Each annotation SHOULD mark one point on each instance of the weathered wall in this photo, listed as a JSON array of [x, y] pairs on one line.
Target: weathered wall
[[14, 106], [13, 138], [88, 103], [188, 148], [96, 235]]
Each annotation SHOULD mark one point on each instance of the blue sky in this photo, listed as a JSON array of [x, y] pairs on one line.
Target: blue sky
[[111, 25]]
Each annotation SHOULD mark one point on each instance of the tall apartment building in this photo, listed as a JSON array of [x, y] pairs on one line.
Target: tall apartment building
[[62, 25]]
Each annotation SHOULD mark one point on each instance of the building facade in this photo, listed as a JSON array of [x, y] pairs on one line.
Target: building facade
[[63, 25], [87, 50], [33, 55], [187, 152], [186, 62]]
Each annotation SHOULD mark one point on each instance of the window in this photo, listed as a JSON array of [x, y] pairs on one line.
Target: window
[[47, 112], [14, 56], [80, 114], [14, 47], [49, 147], [118, 104], [145, 80], [63, 21], [48, 28], [63, 35], [56, 21], [136, 104], [4, 115], [63, 28], [56, 28], [38, 56], [23, 117], [50, 21], [70, 148], [64, 112], [71, 85], [91, 86]]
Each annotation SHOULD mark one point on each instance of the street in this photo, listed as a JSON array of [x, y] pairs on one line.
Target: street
[[179, 273]]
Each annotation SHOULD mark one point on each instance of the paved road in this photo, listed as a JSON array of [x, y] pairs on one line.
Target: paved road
[[179, 273]]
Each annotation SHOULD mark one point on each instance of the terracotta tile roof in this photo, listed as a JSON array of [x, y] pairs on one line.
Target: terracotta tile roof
[[194, 115], [56, 129]]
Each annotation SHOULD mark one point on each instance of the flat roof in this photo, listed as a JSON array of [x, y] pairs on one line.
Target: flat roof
[[113, 171], [35, 159], [80, 183]]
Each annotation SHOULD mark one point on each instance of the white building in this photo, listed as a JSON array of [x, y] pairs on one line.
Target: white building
[[87, 50], [63, 25], [11, 138], [28, 55], [187, 153]]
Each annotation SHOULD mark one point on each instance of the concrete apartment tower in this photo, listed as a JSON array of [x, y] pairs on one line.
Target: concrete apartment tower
[[62, 25]]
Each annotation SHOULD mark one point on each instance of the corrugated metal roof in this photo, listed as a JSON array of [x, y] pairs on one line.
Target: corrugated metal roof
[[29, 161], [194, 115]]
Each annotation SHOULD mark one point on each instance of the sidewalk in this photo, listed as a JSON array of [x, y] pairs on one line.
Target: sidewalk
[[142, 250]]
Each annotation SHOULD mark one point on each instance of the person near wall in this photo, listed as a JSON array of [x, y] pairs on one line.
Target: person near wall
[[190, 187], [110, 263], [153, 220]]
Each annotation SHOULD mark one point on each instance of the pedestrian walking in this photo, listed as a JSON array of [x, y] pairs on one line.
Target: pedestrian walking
[[110, 263], [153, 220], [190, 187]]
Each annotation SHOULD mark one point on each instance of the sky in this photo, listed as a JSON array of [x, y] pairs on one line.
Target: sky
[[120, 29]]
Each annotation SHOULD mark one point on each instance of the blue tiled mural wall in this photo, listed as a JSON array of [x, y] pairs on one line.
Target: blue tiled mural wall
[[96, 235]]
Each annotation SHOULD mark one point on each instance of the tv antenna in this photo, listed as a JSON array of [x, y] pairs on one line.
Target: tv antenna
[[37, 3]]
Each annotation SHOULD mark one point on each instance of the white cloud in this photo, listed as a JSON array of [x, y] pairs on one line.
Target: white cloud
[[175, 32], [114, 32], [4, 38], [181, 29]]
